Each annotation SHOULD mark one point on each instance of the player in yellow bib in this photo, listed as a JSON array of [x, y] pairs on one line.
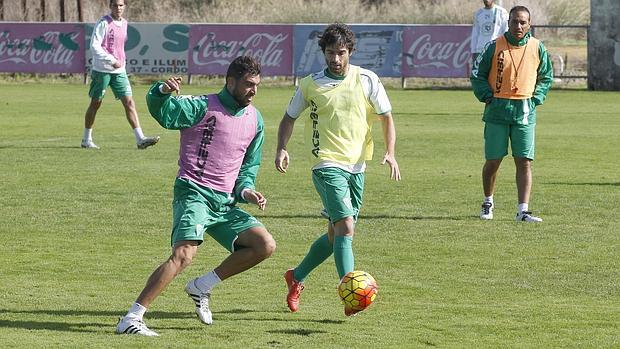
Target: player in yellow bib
[[344, 99]]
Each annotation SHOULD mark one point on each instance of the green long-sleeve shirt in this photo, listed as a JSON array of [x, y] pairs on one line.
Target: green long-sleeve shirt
[[502, 110], [179, 112]]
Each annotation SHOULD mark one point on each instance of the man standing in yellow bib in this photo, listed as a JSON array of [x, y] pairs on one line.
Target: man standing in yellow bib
[[512, 77], [344, 100]]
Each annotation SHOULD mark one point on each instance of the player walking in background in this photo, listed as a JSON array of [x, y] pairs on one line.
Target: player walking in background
[[490, 22], [512, 77], [220, 151], [107, 45], [343, 100]]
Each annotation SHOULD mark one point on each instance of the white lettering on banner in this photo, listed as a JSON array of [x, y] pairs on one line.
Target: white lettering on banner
[[57, 54], [20, 51], [13, 50], [262, 46], [423, 52]]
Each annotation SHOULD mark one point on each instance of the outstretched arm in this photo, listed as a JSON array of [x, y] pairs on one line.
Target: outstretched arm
[[284, 134], [172, 112], [389, 136]]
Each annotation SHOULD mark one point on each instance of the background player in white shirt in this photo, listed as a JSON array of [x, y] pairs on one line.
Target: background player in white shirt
[[490, 22]]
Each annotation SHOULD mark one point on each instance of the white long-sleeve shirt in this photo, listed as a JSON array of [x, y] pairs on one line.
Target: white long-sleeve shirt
[[488, 25], [102, 59]]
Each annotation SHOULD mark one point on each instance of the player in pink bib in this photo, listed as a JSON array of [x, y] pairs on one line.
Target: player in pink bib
[[107, 46], [220, 151]]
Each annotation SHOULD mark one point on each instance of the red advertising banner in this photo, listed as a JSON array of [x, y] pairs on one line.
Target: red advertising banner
[[213, 46], [436, 51], [42, 48]]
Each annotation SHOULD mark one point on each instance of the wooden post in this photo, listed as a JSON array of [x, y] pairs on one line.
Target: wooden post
[[25, 10], [62, 10], [1, 10], [80, 12], [81, 19], [42, 10]]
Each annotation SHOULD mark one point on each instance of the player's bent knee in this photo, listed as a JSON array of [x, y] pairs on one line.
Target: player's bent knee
[[266, 248], [345, 227], [181, 261], [270, 247], [183, 254], [258, 240]]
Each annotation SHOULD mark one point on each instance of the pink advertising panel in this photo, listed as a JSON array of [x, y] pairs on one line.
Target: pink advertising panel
[[436, 51], [213, 46], [42, 48]]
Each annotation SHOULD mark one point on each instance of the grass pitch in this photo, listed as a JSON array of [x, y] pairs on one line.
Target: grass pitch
[[83, 229]]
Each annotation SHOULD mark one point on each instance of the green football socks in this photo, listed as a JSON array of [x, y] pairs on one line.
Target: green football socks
[[319, 251], [343, 255]]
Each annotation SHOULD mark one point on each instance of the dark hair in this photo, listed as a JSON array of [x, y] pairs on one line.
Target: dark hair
[[124, 2], [243, 65], [339, 34], [519, 9]]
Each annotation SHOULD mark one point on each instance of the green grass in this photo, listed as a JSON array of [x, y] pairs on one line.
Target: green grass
[[82, 230]]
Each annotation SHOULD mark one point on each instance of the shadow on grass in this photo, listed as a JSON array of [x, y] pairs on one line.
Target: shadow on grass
[[371, 217], [51, 146], [116, 314], [461, 114], [53, 326], [298, 331], [604, 184], [91, 327]]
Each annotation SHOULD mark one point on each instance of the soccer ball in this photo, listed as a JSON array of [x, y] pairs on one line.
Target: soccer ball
[[358, 290]]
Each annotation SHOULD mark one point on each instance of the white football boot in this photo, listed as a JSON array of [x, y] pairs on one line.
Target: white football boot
[[147, 142], [127, 325], [201, 300], [88, 144], [486, 211], [526, 216]]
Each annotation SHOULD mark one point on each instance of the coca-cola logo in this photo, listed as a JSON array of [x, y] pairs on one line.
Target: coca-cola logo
[[424, 52], [50, 48], [265, 47]]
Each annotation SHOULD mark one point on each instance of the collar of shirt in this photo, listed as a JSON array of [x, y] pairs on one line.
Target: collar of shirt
[[333, 76], [229, 102], [514, 42]]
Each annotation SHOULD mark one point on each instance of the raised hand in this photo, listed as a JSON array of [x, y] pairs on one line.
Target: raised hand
[[172, 84]]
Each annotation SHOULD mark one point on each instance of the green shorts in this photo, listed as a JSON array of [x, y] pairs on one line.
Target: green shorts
[[100, 81], [496, 138], [196, 210], [341, 192]]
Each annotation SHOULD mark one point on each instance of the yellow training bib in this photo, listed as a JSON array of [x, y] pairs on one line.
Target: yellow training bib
[[340, 123]]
